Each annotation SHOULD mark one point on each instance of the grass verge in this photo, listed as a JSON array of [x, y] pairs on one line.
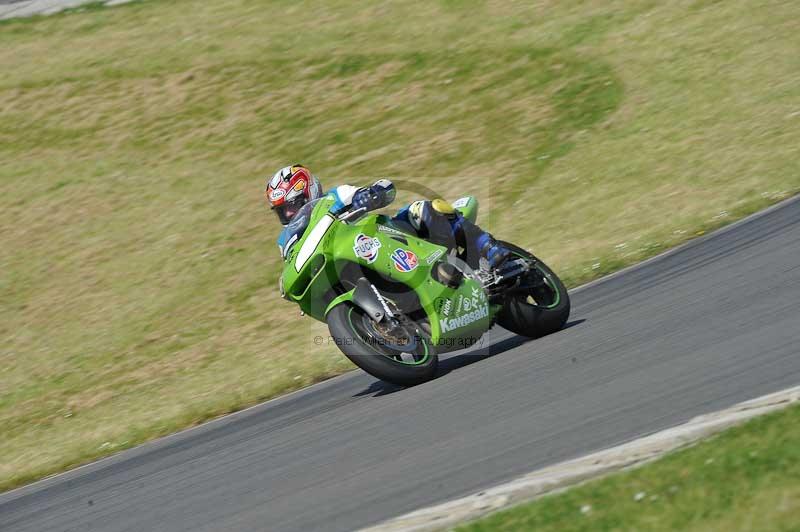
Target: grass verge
[[138, 289], [746, 478]]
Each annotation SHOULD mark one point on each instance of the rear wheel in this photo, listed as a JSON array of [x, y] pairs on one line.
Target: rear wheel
[[401, 354], [541, 309]]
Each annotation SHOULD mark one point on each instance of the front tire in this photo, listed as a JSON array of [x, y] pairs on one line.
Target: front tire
[[363, 342], [543, 311]]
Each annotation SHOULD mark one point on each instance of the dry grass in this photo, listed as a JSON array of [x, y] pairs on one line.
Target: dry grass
[[137, 293]]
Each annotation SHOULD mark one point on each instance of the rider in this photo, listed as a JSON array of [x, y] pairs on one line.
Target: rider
[[438, 221]]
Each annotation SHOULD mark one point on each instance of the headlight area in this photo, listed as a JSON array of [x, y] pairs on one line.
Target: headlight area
[[311, 270]]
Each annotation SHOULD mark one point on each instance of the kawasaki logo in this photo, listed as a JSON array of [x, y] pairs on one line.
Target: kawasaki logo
[[449, 324]]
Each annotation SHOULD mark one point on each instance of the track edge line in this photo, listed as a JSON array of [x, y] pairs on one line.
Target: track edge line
[[566, 474]]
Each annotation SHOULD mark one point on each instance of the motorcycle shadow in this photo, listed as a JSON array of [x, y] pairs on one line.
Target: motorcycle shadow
[[452, 363]]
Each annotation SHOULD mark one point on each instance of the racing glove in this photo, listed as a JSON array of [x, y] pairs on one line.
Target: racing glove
[[379, 195]]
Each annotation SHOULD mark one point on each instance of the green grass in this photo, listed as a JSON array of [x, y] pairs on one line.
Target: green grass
[[747, 478], [138, 292]]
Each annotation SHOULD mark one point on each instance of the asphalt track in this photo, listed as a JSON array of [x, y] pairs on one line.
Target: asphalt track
[[26, 8], [711, 324]]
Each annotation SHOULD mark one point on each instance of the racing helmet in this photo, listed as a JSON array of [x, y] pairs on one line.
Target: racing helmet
[[291, 188]]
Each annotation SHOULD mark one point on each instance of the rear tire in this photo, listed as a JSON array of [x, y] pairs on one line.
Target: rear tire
[[522, 316], [350, 327]]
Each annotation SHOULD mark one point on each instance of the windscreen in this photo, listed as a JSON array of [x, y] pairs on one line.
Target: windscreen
[[294, 231]]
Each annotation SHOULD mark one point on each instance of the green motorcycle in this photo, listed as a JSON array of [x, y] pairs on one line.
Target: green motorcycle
[[393, 301]]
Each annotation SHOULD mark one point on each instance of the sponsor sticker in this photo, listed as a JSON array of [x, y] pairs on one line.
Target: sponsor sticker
[[404, 260], [386, 308], [390, 230], [478, 297], [461, 202], [443, 305], [433, 256], [467, 310], [366, 247], [276, 194], [449, 324]]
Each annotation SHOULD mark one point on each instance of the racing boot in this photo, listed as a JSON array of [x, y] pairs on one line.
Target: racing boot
[[493, 251], [486, 245]]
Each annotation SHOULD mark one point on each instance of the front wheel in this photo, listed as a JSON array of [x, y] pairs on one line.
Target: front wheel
[[540, 310], [401, 355]]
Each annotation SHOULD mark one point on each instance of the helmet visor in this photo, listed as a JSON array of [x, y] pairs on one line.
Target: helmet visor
[[288, 209]]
